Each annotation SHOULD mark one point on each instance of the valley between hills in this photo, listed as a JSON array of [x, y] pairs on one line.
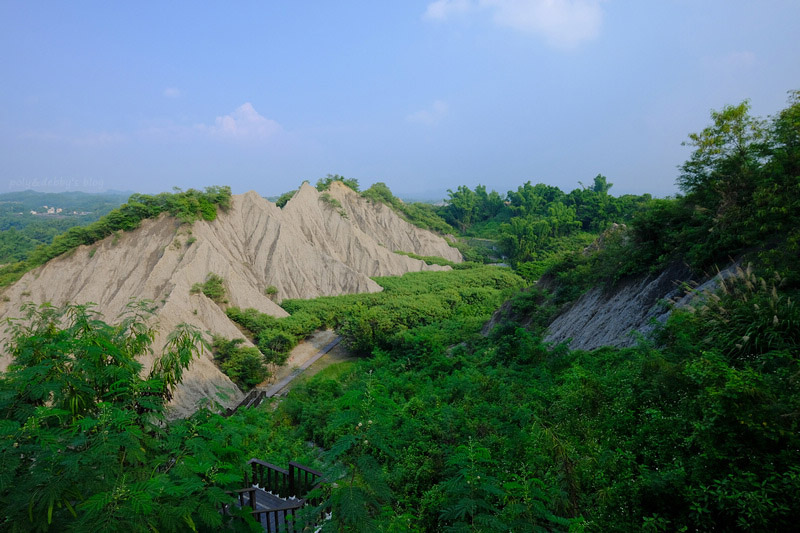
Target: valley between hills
[[537, 360]]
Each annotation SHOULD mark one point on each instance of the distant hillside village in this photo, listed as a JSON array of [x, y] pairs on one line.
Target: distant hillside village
[[56, 211]]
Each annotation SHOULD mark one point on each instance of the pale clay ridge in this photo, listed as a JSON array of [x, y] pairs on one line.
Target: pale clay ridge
[[630, 312], [306, 249]]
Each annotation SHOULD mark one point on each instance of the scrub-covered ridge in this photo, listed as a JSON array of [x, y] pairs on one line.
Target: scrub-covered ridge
[[262, 253]]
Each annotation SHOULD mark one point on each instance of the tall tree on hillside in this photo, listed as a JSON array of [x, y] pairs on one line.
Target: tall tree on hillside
[[533, 199], [782, 171], [722, 170], [594, 207], [489, 204], [462, 204]]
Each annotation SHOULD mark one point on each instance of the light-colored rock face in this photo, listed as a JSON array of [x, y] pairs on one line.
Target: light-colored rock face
[[631, 311], [305, 250], [374, 218], [617, 318]]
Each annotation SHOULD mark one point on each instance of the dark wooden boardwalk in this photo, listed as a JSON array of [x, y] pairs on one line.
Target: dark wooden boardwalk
[[276, 495], [272, 512]]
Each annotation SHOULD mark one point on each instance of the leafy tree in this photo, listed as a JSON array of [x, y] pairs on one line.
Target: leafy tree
[[489, 204], [462, 205], [523, 236], [246, 366], [561, 219], [594, 207], [776, 202], [83, 440], [474, 490], [533, 199], [720, 171]]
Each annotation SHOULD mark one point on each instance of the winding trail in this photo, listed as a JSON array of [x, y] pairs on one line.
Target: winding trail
[[276, 388]]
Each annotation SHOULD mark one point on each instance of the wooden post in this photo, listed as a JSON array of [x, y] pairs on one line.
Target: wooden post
[[292, 485]]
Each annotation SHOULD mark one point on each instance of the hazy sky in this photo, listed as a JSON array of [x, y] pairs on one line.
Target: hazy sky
[[421, 95]]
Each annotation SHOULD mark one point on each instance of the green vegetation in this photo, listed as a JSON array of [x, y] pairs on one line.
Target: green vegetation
[[457, 300], [246, 366], [283, 199], [420, 214], [275, 337], [271, 292], [429, 259], [213, 287], [741, 201], [367, 320], [84, 444], [445, 423], [442, 429], [539, 223], [334, 203], [187, 206], [323, 184]]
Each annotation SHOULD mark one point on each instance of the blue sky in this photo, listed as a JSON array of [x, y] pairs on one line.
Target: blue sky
[[421, 95]]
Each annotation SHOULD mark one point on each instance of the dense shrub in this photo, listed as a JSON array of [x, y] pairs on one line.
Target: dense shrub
[[246, 366], [213, 287], [323, 184]]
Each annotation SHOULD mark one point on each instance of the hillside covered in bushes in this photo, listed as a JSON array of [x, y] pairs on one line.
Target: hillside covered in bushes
[[450, 422]]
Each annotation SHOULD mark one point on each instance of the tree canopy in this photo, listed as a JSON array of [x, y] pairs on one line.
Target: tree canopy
[[83, 439]]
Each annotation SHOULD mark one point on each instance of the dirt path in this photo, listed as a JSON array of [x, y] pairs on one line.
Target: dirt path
[[300, 362], [338, 354], [301, 353]]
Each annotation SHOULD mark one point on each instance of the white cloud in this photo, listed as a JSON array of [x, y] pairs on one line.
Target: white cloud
[[172, 92], [431, 115], [562, 23], [443, 9], [244, 123]]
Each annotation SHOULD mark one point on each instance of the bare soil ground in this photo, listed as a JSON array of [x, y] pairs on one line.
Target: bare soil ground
[[304, 351], [338, 354]]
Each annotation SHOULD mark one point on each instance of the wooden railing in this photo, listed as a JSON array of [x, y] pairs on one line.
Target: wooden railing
[[303, 480], [269, 477], [252, 399], [295, 482], [294, 486], [275, 519]]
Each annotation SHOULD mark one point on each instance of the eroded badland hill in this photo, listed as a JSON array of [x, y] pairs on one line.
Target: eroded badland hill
[[318, 244]]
